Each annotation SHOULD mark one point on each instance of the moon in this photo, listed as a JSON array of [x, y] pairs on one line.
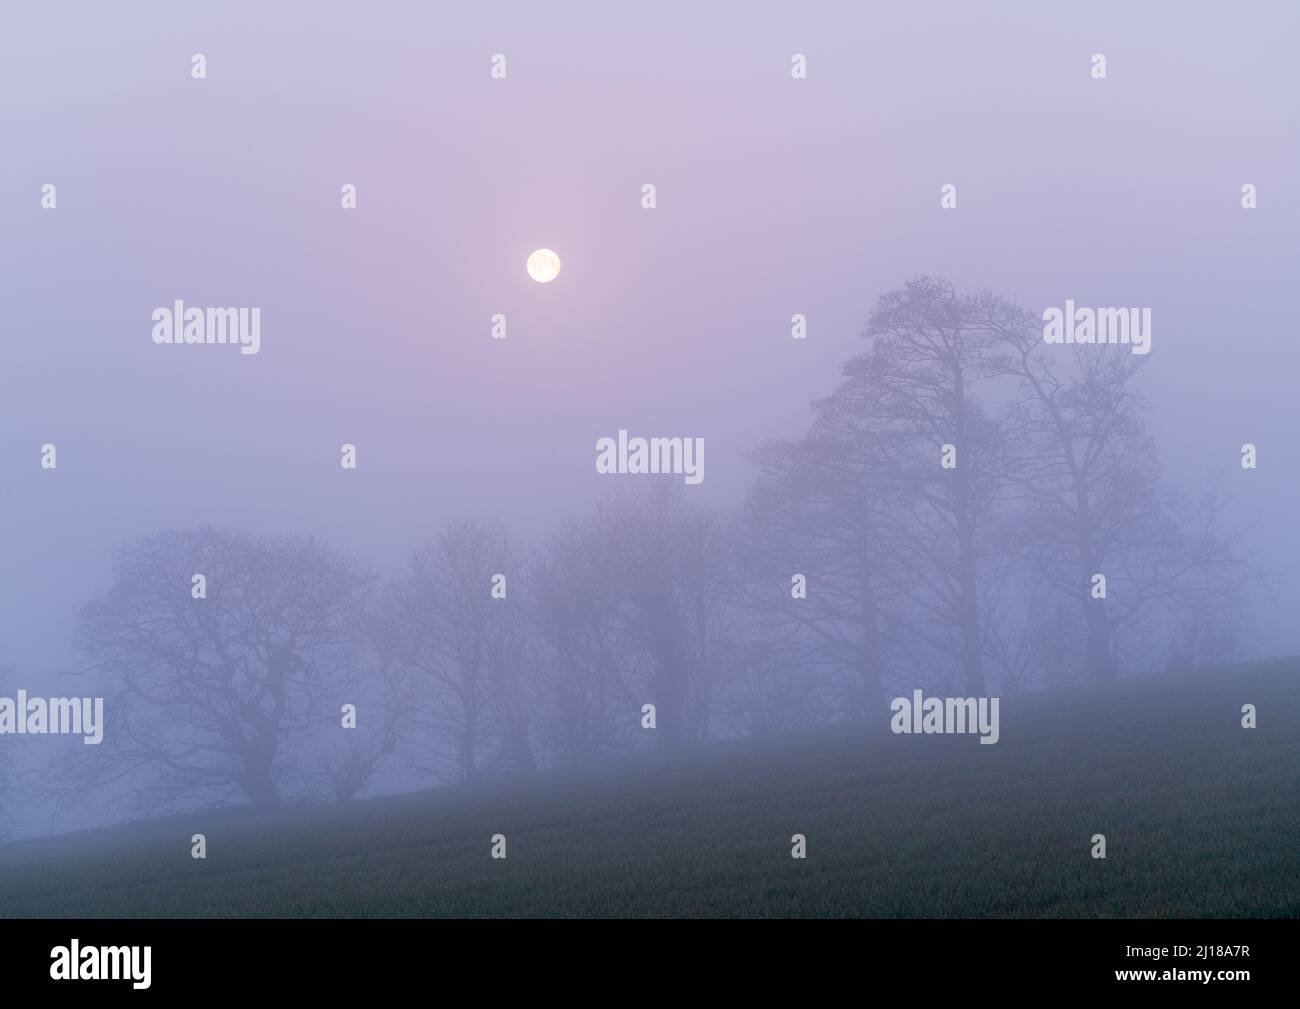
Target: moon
[[543, 266]]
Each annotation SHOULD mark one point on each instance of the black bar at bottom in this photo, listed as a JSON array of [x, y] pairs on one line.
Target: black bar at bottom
[[336, 958]]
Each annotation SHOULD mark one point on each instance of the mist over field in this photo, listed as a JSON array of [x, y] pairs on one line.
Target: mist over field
[[908, 373]]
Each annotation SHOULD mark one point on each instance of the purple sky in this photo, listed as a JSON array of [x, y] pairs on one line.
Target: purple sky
[[775, 196]]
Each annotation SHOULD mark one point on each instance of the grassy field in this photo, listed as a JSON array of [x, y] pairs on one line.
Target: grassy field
[[1202, 818]]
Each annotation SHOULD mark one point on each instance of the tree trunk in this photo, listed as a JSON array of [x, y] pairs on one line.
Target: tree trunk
[[968, 606], [873, 691], [257, 784], [1098, 666]]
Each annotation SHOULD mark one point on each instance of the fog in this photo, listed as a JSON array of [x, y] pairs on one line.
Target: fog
[[775, 197]]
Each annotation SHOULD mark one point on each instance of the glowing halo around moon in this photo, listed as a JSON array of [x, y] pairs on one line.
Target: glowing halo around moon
[[543, 266]]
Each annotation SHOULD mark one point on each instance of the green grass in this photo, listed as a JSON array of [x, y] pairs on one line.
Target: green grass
[[1202, 818]]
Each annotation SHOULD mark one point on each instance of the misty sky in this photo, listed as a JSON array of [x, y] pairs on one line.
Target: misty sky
[[775, 196]]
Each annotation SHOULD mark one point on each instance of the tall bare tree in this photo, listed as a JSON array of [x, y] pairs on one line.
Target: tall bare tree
[[578, 593], [466, 646], [1090, 498], [676, 606], [815, 511], [914, 397]]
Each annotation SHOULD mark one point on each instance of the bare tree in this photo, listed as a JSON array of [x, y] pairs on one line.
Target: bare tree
[[1202, 587], [466, 647], [676, 607], [207, 697], [383, 698], [578, 592], [815, 511], [1090, 497], [1086, 470], [771, 691], [913, 398]]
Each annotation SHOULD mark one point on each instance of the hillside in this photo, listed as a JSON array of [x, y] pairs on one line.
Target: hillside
[[1201, 819]]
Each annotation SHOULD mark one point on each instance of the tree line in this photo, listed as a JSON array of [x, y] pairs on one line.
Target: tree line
[[942, 523]]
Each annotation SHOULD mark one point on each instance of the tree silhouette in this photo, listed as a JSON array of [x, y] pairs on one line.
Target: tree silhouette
[[578, 590], [914, 391], [466, 648], [1090, 499], [206, 697]]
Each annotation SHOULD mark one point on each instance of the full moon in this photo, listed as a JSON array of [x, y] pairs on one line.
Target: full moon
[[543, 266]]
